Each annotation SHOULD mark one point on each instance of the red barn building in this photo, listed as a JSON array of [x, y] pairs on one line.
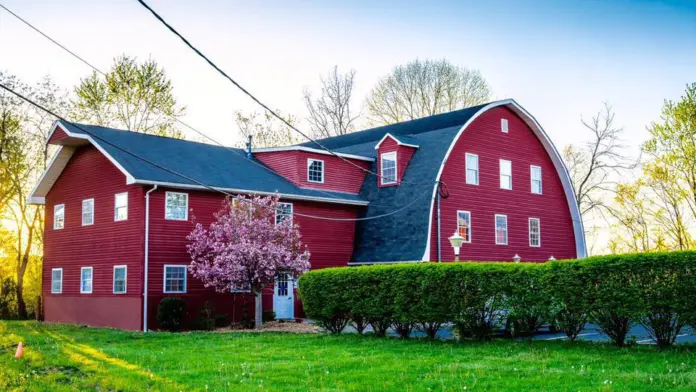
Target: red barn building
[[119, 206]]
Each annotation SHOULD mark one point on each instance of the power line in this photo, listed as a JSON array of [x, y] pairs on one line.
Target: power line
[[122, 84], [192, 179], [250, 95]]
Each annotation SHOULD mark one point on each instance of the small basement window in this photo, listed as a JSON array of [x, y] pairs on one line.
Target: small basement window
[[86, 275], [283, 212], [174, 278], [87, 212], [315, 170], [176, 206], [388, 168], [120, 279], [56, 280], [121, 207], [501, 230], [58, 216]]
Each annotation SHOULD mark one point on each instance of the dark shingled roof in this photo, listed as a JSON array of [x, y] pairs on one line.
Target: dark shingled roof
[[215, 166], [401, 236]]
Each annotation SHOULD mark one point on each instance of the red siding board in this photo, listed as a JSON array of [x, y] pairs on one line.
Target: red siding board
[[485, 138], [57, 136], [339, 175], [102, 245]]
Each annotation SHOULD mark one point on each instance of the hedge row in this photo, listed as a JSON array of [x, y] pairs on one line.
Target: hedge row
[[656, 290]]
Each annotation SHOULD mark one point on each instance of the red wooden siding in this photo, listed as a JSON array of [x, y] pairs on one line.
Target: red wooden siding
[[339, 175], [57, 136], [520, 146], [403, 157], [329, 242], [102, 245]]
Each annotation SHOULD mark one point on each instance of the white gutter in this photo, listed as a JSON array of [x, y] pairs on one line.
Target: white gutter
[[147, 254]]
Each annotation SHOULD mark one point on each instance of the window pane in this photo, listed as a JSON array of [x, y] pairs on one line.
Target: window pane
[[501, 230], [315, 171], [56, 281], [175, 279], [464, 225], [86, 281], [389, 168], [283, 212], [59, 216], [120, 280], [505, 174], [536, 179], [176, 206], [534, 232], [87, 212], [472, 169], [121, 207]]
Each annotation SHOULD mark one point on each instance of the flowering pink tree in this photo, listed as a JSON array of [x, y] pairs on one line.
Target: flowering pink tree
[[246, 247]]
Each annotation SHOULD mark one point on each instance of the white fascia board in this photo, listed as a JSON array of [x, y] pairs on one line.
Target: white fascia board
[[398, 142], [561, 170], [312, 150], [252, 192]]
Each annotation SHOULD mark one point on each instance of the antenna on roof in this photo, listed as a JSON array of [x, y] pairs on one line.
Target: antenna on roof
[[249, 147]]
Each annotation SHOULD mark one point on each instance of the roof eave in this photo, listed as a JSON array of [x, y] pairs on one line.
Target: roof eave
[[312, 150]]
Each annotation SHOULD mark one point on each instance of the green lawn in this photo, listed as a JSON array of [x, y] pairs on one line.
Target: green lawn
[[61, 358]]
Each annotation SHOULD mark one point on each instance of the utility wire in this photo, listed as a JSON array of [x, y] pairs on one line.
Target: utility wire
[[202, 134], [250, 95], [28, 100]]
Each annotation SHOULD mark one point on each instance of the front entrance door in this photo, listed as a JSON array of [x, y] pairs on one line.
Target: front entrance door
[[283, 297]]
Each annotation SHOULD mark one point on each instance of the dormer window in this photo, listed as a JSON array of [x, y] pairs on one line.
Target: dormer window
[[315, 171], [388, 168]]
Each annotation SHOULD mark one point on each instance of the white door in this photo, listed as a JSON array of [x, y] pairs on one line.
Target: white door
[[283, 298]]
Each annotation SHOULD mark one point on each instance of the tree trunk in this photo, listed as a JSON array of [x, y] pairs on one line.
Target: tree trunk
[[258, 314], [21, 305]]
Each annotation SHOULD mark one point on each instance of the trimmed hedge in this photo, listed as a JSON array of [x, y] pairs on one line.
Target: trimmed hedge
[[655, 290]]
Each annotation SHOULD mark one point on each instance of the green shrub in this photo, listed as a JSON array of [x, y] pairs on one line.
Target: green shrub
[[171, 313], [616, 292], [202, 324], [268, 315]]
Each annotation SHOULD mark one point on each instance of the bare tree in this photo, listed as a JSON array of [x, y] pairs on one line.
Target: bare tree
[[265, 130], [424, 88], [596, 166], [330, 114]]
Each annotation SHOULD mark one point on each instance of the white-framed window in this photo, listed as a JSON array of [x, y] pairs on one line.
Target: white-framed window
[[120, 279], [86, 277], [464, 225], [56, 280], [504, 125], [534, 232], [121, 207], [315, 170], [472, 169], [58, 216], [535, 174], [174, 279], [176, 206], [505, 174], [283, 212], [501, 230], [87, 212], [388, 168]]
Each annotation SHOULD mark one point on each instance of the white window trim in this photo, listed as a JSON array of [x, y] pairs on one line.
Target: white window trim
[[55, 208], [125, 280], [116, 205], [500, 173], [82, 214], [471, 234], [166, 198], [164, 279], [92, 278], [495, 229], [381, 168], [530, 232], [292, 212], [504, 126], [466, 168], [61, 281], [531, 179], [309, 163]]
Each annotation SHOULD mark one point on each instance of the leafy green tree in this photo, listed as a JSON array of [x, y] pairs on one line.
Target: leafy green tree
[[134, 96]]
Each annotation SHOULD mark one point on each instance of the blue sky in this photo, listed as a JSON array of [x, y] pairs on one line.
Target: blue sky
[[559, 59]]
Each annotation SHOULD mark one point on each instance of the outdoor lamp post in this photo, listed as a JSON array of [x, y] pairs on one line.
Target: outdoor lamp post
[[516, 258], [456, 241]]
